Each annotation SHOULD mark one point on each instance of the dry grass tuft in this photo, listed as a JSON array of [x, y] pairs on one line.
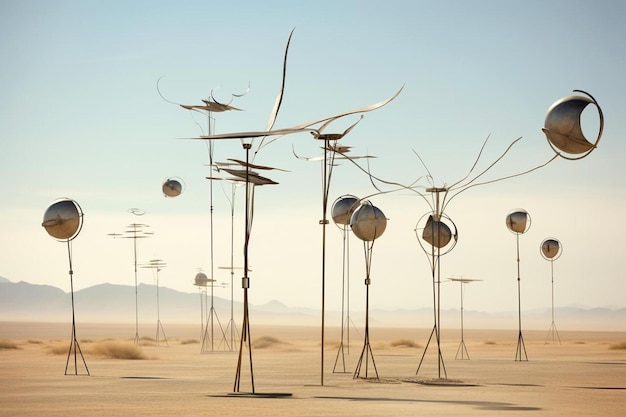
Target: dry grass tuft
[[57, 349], [117, 350], [618, 346], [7, 344], [189, 341], [404, 343], [265, 342]]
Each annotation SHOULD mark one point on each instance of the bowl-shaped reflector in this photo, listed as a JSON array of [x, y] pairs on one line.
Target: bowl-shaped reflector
[[63, 219], [367, 222]]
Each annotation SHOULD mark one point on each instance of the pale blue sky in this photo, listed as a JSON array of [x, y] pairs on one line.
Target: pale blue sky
[[80, 117]]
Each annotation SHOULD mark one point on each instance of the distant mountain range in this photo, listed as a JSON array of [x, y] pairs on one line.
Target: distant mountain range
[[109, 303]]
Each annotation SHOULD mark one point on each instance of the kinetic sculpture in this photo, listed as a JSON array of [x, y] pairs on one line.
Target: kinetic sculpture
[[317, 129], [156, 265], [462, 350], [342, 211], [368, 223], [518, 222], [135, 231], [551, 250], [63, 220]]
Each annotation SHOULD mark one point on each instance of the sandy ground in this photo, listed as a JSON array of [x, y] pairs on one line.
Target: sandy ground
[[582, 376]]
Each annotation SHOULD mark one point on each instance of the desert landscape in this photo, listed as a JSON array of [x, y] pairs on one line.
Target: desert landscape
[[584, 375]]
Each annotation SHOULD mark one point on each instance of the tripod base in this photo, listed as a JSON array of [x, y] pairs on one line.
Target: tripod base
[[462, 351], [75, 348], [553, 334], [440, 364], [160, 331], [208, 341], [521, 349], [366, 353]]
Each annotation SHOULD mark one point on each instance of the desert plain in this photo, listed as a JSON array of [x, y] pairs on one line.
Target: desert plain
[[583, 375]]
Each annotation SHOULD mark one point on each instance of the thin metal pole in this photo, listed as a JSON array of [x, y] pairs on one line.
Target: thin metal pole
[[245, 331], [520, 339], [136, 297], [324, 222], [74, 341]]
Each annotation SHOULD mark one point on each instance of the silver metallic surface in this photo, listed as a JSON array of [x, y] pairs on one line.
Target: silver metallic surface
[[343, 208], [172, 187], [563, 129], [63, 219], [551, 249], [437, 233], [518, 221], [201, 279], [368, 222]]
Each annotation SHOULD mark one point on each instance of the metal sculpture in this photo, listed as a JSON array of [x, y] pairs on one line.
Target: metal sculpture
[[200, 281], [341, 212], [315, 127], [63, 220], [231, 328], [210, 106], [551, 250], [368, 223], [518, 222], [157, 265], [135, 231], [332, 152], [440, 235], [563, 129], [172, 187], [564, 134], [462, 349]]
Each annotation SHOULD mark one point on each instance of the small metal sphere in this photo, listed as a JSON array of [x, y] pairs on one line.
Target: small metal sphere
[[551, 249], [518, 221], [437, 233], [201, 279], [63, 219], [563, 129], [367, 222], [172, 187], [343, 208]]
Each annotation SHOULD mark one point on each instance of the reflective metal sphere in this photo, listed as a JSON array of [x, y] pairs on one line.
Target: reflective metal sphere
[[562, 126], [367, 222], [518, 221], [172, 187], [551, 249], [63, 219], [436, 233], [343, 208], [201, 279]]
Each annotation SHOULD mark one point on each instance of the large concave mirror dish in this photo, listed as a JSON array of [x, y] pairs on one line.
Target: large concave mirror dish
[[63, 219]]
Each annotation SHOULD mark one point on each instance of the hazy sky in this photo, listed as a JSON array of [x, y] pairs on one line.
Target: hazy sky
[[80, 117]]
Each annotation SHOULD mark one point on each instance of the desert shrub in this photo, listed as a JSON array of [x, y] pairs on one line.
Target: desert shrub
[[490, 342], [618, 346], [117, 350], [57, 349], [35, 342], [265, 342], [189, 341], [8, 344], [407, 343]]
